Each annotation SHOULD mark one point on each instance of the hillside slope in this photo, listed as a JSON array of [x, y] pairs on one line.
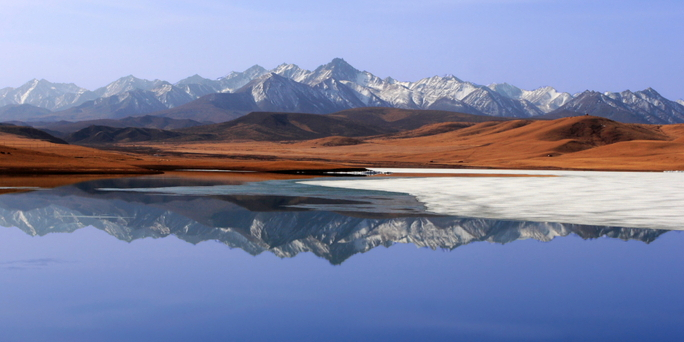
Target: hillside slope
[[262, 126]]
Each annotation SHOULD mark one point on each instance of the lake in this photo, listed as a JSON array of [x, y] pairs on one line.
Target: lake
[[551, 256]]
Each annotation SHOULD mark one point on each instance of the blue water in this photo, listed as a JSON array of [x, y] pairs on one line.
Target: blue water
[[90, 285]]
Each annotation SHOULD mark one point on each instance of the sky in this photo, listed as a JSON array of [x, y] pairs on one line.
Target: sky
[[572, 45]]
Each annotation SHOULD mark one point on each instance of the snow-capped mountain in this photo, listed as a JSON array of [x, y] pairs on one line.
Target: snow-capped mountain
[[170, 95], [166, 93], [125, 84], [338, 85], [649, 104], [546, 99], [276, 93], [130, 103], [347, 86], [197, 86], [44, 94], [646, 106], [291, 71], [237, 80]]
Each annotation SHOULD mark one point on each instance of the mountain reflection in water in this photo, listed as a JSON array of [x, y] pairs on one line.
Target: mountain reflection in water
[[280, 217]]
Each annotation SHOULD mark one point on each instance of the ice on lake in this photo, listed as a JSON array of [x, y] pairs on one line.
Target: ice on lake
[[625, 199]]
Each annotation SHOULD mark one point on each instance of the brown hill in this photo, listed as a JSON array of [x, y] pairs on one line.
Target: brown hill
[[147, 121], [30, 132], [262, 126], [298, 141], [110, 135], [545, 137], [336, 141], [676, 132], [582, 142], [525, 143], [265, 126], [21, 155], [358, 122], [432, 129], [396, 120]]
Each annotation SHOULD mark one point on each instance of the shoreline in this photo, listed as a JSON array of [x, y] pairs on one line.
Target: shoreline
[[13, 182]]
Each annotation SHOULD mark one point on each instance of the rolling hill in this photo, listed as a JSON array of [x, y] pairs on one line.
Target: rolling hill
[[147, 121], [262, 126], [30, 132], [397, 120], [107, 135], [359, 122]]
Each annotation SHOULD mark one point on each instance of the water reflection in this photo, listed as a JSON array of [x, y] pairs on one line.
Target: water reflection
[[260, 217]]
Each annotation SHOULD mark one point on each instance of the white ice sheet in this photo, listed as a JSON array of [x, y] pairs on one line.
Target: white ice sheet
[[624, 199]]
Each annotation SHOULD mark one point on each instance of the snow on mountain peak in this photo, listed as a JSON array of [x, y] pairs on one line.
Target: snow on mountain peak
[[124, 84], [255, 70], [194, 79], [292, 71], [507, 90], [338, 69], [236, 80], [452, 77]]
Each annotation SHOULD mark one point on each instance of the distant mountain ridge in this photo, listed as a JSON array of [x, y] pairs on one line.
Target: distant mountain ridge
[[104, 134], [261, 126], [646, 106], [329, 88]]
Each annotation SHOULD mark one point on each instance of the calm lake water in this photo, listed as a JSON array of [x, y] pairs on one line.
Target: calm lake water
[[346, 259]]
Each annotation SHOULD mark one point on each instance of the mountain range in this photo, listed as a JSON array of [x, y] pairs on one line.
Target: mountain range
[[329, 88]]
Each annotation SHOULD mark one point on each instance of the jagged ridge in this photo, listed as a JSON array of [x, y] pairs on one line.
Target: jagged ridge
[[331, 87]]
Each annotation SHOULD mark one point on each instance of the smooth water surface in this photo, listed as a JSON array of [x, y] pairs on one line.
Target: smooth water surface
[[169, 259]]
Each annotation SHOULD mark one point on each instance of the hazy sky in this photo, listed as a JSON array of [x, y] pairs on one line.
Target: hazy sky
[[571, 45]]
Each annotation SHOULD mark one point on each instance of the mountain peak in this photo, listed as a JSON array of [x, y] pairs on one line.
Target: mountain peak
[[452, 77], [287, 66], [650, 92], [194, 79], [254, 71], [339, 67], [31, 83], [292, 71], [622, 93], [138, 82], [339, 61], [124, 84]]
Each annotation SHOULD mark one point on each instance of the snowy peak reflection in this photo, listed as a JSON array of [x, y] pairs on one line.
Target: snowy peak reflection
[[283, 225]]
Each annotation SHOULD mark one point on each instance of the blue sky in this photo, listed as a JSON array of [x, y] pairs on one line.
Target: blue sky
[[571, 45]]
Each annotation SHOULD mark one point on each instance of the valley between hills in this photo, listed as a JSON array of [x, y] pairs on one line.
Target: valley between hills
[[356, 138]]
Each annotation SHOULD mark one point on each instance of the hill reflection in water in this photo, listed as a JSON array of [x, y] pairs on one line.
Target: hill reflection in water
[[281, 217]]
